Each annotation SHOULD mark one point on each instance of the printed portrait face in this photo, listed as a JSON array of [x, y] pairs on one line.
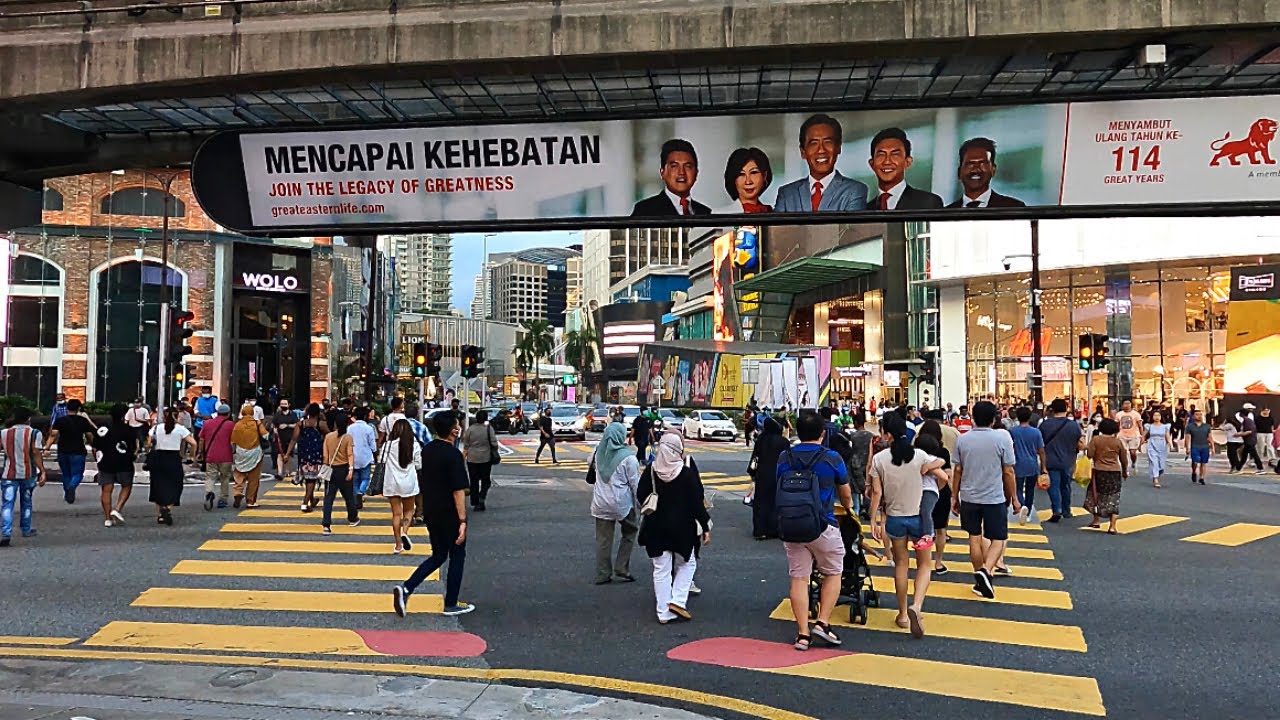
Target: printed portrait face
[[680, 172], [890, 162], [750, 182], [976, 170], [820, 149]]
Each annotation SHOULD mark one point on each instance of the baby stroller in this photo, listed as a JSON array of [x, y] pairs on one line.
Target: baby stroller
[[855, 581]]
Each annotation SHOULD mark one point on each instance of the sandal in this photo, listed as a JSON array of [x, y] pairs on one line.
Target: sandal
[[1095, 526], [1111, 531], [823, 630], [802, 642]]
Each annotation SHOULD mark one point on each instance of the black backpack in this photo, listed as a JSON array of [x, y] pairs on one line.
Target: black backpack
[[801, 515]]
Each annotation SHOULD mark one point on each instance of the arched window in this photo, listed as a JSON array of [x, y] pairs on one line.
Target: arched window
[[52, 200], [31, 270], [128, 296], [143, 201]]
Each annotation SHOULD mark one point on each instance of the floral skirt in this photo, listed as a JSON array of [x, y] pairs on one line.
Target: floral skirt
[[1104, 493]]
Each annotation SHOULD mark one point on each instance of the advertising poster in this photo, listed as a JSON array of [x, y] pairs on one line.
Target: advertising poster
[[1253, 331], [764, 385], [728, 390], [721, 170], [724, 318], [790, 383], [779, 396], [808, 383]]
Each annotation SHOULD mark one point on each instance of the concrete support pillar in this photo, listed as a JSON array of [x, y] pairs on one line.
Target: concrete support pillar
[[19, 206]]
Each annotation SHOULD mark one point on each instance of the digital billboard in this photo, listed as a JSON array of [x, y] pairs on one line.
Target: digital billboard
[[1253, 331], [972, 162]]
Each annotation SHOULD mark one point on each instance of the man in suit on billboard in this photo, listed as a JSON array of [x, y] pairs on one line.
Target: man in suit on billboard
[[890, 158], [824, 190], [977, 167], [679, 172]]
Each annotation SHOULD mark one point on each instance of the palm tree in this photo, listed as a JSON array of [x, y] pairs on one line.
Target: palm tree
[[580, 352], [524, 357], [540, 337]]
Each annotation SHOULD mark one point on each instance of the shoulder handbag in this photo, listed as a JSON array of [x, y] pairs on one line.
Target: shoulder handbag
[[494, 457], [378, 480], [650, 504], [325, 471]]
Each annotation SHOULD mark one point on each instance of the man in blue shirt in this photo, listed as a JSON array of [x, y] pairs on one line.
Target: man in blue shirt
[[364, 441], [1029, 460], [206, 407], [827, 551], [1062, 441]]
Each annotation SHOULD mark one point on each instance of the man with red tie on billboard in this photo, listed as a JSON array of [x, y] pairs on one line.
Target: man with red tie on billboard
[[824, 190], [679, 172], [977, 167], [890, 158]]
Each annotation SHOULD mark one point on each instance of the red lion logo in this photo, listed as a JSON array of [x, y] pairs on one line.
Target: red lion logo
[[1261, 133]]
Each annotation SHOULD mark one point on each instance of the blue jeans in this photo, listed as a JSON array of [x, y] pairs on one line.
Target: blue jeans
[[16, 491], [72, 469], [361, 477], [1026, 489], [1060, 490]]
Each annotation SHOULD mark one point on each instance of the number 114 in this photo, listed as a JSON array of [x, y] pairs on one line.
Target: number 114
[[1130, 159]]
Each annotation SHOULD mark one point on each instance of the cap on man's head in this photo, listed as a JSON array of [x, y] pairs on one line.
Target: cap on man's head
[[223, 409], [1249, 406]]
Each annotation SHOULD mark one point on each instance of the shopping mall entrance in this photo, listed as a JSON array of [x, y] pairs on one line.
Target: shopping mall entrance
[[270, 308]]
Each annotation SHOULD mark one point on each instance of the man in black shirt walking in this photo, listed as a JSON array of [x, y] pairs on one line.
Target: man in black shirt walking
[[444, 488], [546, 437], [642, 435]]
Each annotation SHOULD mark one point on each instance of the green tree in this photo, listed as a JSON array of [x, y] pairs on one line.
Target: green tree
[[580, 352], [540, 336]]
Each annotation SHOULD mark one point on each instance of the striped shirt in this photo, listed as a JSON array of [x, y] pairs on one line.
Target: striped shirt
[[16, 443]]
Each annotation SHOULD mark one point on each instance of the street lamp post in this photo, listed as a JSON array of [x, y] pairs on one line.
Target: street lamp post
[[1035, 383], [162, 356]]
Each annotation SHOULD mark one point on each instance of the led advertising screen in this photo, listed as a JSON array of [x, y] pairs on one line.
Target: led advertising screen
[[1253, 331], [944, 163]]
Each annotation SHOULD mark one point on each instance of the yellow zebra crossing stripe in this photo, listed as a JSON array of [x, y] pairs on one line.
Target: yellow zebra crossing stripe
[[1030, 597], [310, 571], [283, 600], [1033, 572], [334, 547], [1235, 535], [1138, 523], [338, 528]]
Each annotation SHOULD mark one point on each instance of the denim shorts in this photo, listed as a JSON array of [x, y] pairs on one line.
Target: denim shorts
[[1200, 456], [904, 526]]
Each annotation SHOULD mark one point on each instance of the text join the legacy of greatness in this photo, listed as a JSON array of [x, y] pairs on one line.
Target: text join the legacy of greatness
[[504, 152]]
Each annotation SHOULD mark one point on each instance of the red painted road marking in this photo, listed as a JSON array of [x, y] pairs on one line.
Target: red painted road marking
[[749, 654], [414, 643]]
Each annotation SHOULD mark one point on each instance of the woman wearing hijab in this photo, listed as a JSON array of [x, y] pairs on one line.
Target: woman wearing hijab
[[763, 469], [671, 534], [246, 459], [614, 475]]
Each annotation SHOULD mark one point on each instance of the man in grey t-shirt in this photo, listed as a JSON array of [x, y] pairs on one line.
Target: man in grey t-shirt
[[1198, 435], [981, 488]]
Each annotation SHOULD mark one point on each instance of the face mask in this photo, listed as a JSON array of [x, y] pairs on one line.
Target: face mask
[[206, 395]]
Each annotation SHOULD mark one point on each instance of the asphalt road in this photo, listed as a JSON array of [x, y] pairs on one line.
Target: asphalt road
[[1170, 628]]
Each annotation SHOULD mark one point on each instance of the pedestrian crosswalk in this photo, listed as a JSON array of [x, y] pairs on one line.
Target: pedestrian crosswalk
[[1032, 613], [298, 591], [1235, 535]]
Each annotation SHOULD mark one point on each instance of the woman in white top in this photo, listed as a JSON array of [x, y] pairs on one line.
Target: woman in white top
[[165, 464], [402, 458]]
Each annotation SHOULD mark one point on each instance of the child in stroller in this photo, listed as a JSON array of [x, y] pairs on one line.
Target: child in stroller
[[855, 581]]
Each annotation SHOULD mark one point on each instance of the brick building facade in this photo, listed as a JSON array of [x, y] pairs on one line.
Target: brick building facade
[[84, 296]]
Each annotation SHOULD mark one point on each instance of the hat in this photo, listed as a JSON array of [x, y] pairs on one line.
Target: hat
[[224, 409], [1249, 406]]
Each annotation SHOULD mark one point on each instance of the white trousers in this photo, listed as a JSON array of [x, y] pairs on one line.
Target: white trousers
[[1265, 451], [672, 576]]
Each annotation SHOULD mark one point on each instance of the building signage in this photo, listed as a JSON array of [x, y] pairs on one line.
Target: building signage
[[269, 282], [1254, 282], [267, 269], [969, 162]]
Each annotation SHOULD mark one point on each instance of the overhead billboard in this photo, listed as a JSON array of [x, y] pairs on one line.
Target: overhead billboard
[[1253, 331], [1059, 159]]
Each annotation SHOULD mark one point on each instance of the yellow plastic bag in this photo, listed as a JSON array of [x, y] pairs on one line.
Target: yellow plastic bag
[[1084, 471]]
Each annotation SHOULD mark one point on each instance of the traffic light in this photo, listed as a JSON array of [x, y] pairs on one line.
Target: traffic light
[[419, 360], [435, 354], [179, 380], [180, 332], [1101, 353], [470, 367], [929, 373], [1086, 351]]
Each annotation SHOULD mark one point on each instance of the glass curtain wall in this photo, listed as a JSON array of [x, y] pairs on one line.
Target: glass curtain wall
[[1167, 331]]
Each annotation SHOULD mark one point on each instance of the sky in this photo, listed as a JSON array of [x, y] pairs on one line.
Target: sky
[[468, 256]]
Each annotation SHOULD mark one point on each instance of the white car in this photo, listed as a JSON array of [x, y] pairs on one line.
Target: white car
[[567, 422], [709, 425]]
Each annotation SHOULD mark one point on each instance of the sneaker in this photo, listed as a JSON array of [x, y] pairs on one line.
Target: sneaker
[[327, 530], [459, 609], [69, 495], [236, 503], [222, 504], [982, 585], [1023, 515], [304, 507], [106, 523], [4, 541], [29, 534], [400, 600], [406, 542], [924, 543], [1054, 518], [354, 523], [250, 506], [117, 516], [694, 589]]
